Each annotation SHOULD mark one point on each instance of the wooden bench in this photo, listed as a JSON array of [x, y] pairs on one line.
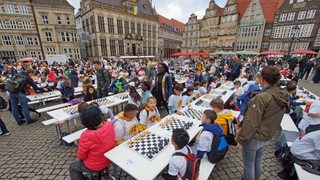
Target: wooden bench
[[206, 168], [74, 136], [49, 122]]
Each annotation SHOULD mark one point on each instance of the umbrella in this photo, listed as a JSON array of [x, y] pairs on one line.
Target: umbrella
[[271, 53], [218, 53], [176, 54], [229, 53], [190, 54], [203, 54], [244, 52], [303, 51]]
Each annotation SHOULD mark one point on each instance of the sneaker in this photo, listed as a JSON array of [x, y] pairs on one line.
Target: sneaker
[[283, 174], [32, 121], [5, 133], [21, 122]]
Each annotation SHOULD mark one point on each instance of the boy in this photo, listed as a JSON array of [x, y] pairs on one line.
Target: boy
[[187, 96], [126, 125], [93, 143], [203, 88], [291, 89], [175, 100], [239, 91], [178, 164], [311, 117], [196, 93], [223, 115], [203, 143]]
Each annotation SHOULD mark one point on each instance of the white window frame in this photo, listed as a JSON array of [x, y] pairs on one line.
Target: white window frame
[[45, 19], [29, 40], [9, 8], [6, 41], [290, 16], [26, 25], [68, 22], [33, 54], [23, 9], [59, 22], [283, 17], [14, 24], [48, 36], [301, 15], [311, 14], [36, 40], [18, 40], [3, 24]]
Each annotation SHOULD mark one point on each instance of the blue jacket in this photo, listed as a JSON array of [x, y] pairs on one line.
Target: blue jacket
[[243, 100]]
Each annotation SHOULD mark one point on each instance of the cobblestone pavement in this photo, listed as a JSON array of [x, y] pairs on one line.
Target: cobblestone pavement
[[33, 152]]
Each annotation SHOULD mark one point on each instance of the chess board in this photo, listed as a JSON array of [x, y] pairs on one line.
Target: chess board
[[121, 96], [44, 94], [173, 123], [193, 113], [209, 96], [71, 110], [202, 103], [103, 101], [149, 146]]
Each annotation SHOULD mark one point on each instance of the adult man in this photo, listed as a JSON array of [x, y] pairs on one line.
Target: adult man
[[292, 63], [316, 76], [307, 69], [103, 79], [22, 98], [302, 66], [236, 69]]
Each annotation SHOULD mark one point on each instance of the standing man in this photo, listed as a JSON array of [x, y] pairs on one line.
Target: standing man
[[236, 69], [316, 76], [103, 79], [151, 73], [307, 69], [302, 66]]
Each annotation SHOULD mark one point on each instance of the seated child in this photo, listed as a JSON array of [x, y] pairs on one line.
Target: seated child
[[214, 82], [90, 154], [149, 114], [175, 100], [91, 94], [291, 89], [223, 115], [145, 94], [178, 164], [196, 93], [203, 88], [187, 96], [203, 143], [311, 117], [126, 125], [87, 82], [134, 97], [238, 92]]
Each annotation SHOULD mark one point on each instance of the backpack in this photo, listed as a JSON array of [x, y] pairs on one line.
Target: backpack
[[193, 165], [216, 154], [119, 87], [15, 83], [3, 103], [231, 133]]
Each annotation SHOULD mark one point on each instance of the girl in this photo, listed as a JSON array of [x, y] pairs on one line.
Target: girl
[[175, 100], [91, 94], [146, 94], [190, 80], [66, 89], [134, 97], [187, 96], [149, 114], [203, 88], [86, 83]]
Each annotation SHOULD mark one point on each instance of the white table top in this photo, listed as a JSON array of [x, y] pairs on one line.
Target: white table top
[[44, 95]]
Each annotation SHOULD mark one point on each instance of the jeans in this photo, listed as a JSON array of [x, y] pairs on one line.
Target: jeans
[[301, 70], [22, 99], [252, 157], [316, 77], [306, 71], [77, 168], [3, 127]]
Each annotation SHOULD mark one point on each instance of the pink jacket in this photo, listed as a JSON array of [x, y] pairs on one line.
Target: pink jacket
[[93, 144]]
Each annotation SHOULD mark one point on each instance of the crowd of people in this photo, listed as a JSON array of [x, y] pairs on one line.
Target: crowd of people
[[258, 97]]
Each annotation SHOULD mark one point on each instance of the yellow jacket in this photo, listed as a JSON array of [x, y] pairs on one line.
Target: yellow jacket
[[221, 119], [199, 66]]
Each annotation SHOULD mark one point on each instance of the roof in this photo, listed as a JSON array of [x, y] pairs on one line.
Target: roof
[[172, 22], [61, 3], [269, 8], [242, 7]]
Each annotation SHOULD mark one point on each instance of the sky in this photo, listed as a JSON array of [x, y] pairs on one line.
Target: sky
[[177, 9]]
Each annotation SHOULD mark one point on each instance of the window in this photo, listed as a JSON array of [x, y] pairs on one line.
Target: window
[[101, 24], [22, 53], [14, 25], [45, 19], [39, 55], [9, 9], [3, 24], [23, 9], [62, 36], [149, 31], [70, 50], [29, 41], [59, 20], [6, 40], [26, 25], [291, 1], [283, 17], [267, 32], [110, 26], [126, 27], [121, 48], [18, 40], [48, 36], [301, 15], [68, 37], [120, 27], [311, 14], [51, 50], [154, 32], [133, 27], [65, 50], [112, 47], [36, 40], [290, 16], [68, 20], [92, 24], [74, 37], [33, 54], [103, 44], [144, 29]]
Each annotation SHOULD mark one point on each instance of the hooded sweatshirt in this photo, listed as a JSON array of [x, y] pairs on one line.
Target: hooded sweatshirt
[[222, 117], [93, 144], [244, 99], [263, 116]]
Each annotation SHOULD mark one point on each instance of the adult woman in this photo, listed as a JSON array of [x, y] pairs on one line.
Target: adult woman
[[261, 120]]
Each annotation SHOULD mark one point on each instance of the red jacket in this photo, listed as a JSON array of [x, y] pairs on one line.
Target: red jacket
[[52, 76], [93, 144]]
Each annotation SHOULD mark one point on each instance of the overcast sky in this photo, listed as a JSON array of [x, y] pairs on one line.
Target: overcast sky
[[177, 9]]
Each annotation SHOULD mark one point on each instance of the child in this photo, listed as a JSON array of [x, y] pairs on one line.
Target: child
[[291, 89], [149, 114], [134, 97], [214, 82], [91, 94], [203, 143], [190, 80], [311, 117], [203, 88], [178, 164], [66, 89], [146, 94], [187, 96], [126, 125], [86, 82], [175, 100], [196, 93], [295, 78], [91, 152], [239, 91], [223, 115]]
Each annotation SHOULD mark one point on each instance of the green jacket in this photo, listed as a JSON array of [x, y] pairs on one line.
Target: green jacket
[[263, 115]]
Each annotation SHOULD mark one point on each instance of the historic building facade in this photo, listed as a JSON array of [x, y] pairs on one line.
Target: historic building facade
[[210, 28], [296, 24], [191, 36], [251, 28], [18, 31], [170, 36], [118, 28]]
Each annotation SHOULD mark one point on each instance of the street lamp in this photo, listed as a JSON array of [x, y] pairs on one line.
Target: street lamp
[[295, 30]]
